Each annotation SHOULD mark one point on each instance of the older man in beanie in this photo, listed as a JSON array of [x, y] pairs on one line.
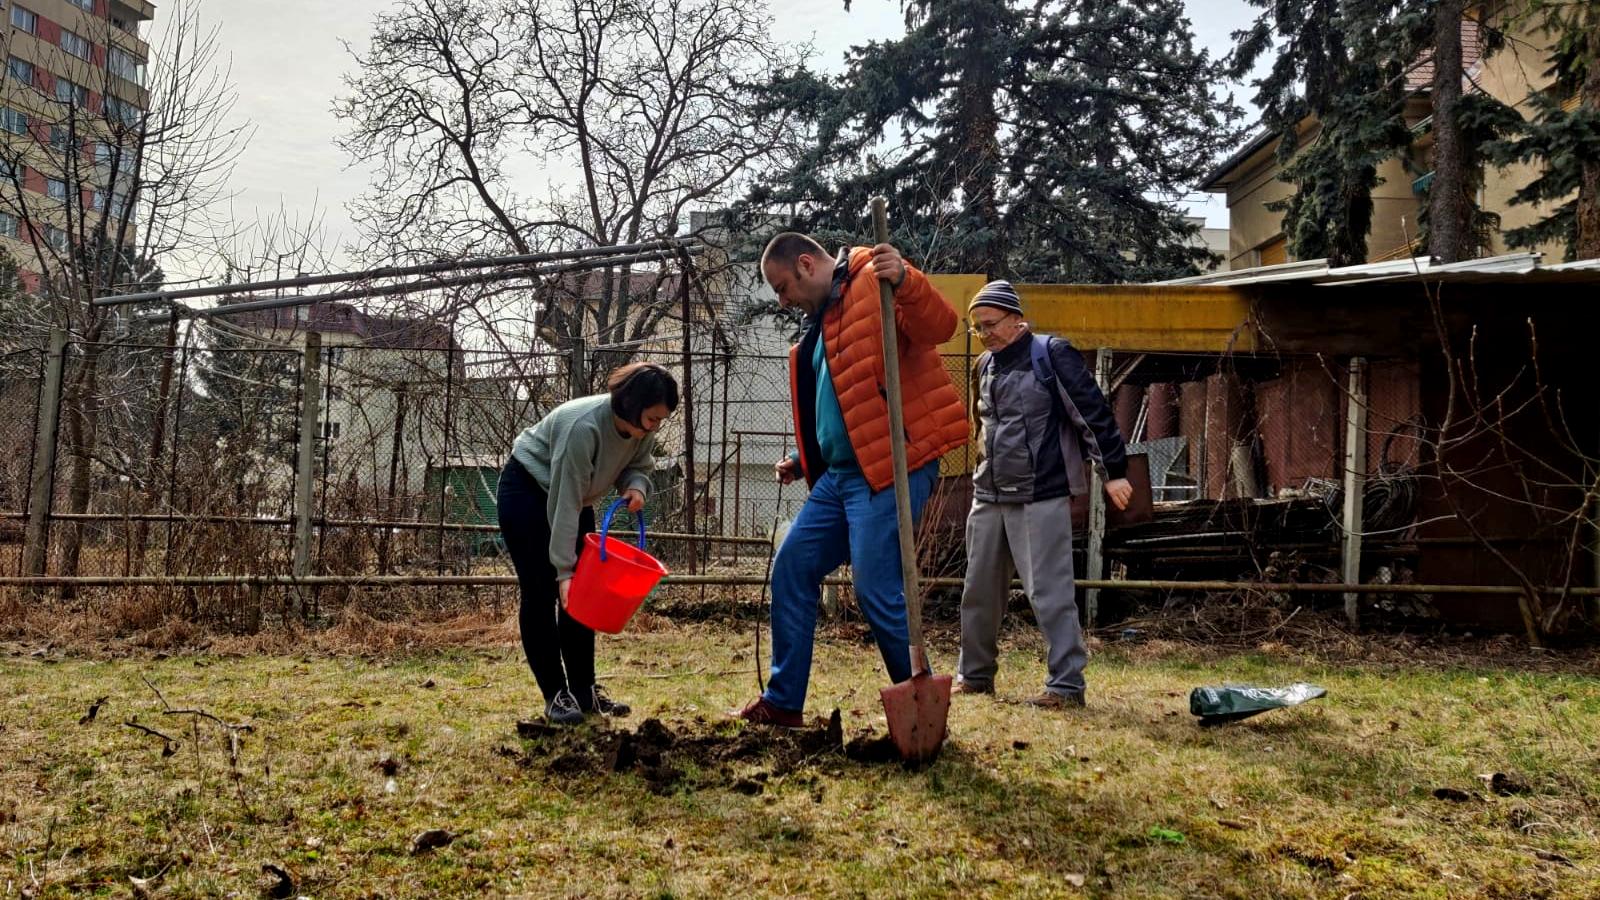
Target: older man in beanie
[[1040, 416]]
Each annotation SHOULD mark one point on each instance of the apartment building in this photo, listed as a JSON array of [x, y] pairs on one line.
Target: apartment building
[[72, 102]]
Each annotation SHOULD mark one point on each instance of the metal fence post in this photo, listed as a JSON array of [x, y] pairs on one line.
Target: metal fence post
[[158, 434], [688, 414], [36, 541], [1594, 528], [1355, 482], [578, 369], [304, 477], [447, 432], [1094, 562]]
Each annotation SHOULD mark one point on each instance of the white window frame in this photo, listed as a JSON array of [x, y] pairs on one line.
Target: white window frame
[[24, 19], [10, 226], [77, 94], [53, 192], [56, 238], [69, 41], [10, 117], [11, 70], [122, 112], [125, 65]]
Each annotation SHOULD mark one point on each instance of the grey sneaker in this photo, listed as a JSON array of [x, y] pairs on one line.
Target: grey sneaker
[[563, 709], [601, 702]]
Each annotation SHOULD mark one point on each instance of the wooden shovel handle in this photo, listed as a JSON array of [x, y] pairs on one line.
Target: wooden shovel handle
[[897, 445]]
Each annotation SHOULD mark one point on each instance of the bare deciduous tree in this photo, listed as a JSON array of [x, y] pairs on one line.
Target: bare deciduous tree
[[134, 160], [632, 111]]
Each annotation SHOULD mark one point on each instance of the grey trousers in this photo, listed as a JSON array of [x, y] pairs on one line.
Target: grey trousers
[[1033, 540]]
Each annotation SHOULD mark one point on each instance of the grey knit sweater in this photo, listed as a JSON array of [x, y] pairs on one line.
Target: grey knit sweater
[[576, 455]]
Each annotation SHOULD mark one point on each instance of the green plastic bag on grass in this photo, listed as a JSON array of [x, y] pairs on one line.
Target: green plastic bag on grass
[[1230, 703]]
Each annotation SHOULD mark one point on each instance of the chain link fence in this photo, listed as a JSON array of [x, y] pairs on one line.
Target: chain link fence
[[21, 377], [185, 459]]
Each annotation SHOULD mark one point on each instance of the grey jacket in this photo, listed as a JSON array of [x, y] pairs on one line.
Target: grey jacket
[[1034, 437]]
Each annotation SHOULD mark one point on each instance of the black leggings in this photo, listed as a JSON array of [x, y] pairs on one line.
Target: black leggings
[[560, 650]]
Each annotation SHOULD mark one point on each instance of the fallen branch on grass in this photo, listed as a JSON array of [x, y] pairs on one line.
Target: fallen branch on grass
[[169, 744], [231, 729], [234, 729], [614, 676]]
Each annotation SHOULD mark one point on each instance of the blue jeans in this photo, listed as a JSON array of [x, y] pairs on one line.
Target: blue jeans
[[842, 520]]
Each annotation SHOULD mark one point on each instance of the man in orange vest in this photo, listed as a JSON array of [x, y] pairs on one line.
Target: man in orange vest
[[841, 419]]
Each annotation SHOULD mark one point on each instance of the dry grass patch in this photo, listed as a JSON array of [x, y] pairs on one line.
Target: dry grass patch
[[349, 760]]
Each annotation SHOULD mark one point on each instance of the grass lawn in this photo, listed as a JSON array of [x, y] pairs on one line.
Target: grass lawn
[[1127, 798]]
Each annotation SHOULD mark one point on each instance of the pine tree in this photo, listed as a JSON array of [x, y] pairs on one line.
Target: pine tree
[[249, 395], [1564, 142], [1048, 141], [1450, 198], [1464, 122], [1330, 67]]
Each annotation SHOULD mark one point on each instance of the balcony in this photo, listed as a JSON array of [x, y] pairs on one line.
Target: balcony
[[128, 15]]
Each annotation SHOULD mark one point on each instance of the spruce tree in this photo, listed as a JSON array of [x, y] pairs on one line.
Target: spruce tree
[[1049, 141], [1564, 142], [1464, 122], [1329, 67], [1450, 198], [249, 394]]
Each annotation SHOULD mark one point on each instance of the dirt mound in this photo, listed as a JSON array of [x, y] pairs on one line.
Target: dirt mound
[[696, 754]]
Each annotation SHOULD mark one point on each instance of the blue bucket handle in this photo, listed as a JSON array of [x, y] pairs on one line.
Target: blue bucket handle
[[605, 528]]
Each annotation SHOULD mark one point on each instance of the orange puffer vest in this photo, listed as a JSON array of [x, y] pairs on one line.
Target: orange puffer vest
[[852, 331]]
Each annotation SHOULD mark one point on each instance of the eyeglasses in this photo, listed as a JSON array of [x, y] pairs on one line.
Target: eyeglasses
[[982, 329]]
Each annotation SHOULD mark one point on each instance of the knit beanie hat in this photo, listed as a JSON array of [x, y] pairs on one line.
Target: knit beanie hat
[[998, 294]]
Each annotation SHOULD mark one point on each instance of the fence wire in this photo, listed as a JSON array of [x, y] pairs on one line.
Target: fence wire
[[181, 456], [21, 378]]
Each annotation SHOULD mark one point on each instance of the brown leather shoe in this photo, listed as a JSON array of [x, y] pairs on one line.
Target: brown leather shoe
[[1049, 700], [760, 712], [967, 687]]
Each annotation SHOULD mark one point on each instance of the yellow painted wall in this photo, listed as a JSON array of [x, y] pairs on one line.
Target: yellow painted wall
[[1395, 208], [1135, 318], [1251, 225], [958, 354], [1132, 317], [1511, 74]]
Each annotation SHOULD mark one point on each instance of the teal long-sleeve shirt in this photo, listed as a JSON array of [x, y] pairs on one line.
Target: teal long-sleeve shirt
[[832, 436]]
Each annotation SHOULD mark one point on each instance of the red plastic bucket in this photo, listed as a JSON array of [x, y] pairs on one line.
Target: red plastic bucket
[[612, 578]]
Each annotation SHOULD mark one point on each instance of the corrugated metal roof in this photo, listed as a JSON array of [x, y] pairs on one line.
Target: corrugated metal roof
[[1280, 272], [1511, 268]]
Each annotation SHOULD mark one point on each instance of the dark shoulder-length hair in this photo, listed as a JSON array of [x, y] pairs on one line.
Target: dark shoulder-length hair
[[637, 387]]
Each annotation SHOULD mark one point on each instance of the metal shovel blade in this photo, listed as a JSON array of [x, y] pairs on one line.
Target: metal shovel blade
[[918, 711]]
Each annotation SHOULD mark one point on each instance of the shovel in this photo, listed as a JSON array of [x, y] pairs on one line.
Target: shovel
[[917, 709]]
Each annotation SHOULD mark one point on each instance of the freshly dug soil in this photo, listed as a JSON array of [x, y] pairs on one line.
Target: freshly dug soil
[[696, 754]]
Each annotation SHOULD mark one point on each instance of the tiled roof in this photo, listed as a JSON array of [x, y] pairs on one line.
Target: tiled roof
[[389, 332], [1420, 78], [589, 285]]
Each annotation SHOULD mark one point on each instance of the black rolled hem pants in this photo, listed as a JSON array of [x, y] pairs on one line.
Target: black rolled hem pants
[[560, 650]]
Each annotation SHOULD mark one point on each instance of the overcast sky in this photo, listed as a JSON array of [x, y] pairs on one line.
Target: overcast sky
[[288, 57]]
